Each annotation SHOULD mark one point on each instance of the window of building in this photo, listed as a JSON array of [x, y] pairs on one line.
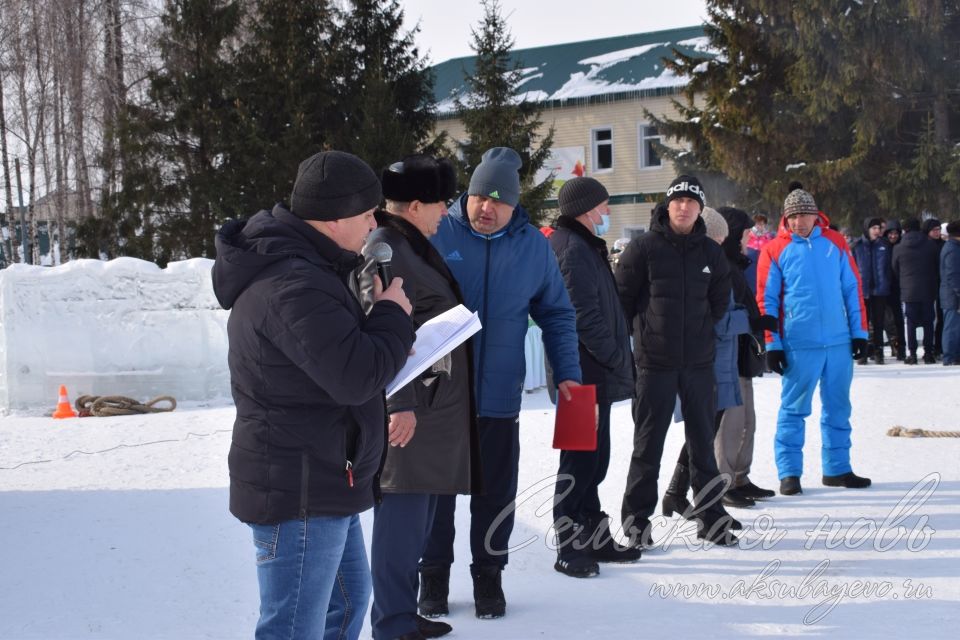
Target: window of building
[[649, 138], [602, 149]]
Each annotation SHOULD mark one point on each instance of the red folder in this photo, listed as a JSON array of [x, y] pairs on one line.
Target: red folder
[[575, 428]]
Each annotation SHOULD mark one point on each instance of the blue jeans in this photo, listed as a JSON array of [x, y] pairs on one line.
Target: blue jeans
[[832, 368], [314, 578]]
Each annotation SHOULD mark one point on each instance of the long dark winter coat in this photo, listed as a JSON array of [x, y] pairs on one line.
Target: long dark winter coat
[[605, 357], [674, 288], [437, 460], [307, 371], [916, 263]]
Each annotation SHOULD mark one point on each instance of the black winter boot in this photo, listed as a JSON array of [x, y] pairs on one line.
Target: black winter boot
[[573, 553], [753, 491], [434, 590], [675, 499], [432, 628], [487, 592], [735, 498], [717, 527], [790, 486], [848, 480], [603, 548]]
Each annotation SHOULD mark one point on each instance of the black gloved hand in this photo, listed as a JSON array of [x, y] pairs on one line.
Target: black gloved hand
[[776, 361], [859, 348], [765, 323]]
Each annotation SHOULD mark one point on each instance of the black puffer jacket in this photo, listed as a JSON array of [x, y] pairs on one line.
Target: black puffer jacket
[[307, 371], [443, 455], [916, 264], [605, 358], [674, 288]]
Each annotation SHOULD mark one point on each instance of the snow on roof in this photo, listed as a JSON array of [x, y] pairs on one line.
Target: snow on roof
[[577, 70]]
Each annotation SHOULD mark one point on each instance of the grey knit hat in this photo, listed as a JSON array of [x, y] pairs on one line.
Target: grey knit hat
[[332, 185], [497, 176], [717, 228], [799, 201], [580, 195]]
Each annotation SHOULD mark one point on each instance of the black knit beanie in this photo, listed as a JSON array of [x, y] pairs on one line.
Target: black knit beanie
[[580, 195], [929, 225], [419, 177], [686, 187], [332, 185]]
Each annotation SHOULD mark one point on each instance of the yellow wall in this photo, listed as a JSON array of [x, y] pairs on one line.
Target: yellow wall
[[572, 128]]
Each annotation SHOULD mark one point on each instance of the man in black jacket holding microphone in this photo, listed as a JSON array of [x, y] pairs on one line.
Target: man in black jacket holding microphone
[[307, 371]]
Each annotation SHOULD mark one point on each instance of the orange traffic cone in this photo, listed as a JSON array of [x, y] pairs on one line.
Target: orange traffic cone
[[64, 409]]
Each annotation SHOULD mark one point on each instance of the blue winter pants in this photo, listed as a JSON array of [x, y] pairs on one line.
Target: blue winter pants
[[401, 524], [832, 367]]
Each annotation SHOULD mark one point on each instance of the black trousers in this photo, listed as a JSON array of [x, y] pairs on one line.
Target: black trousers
[[653, 410], [876, 308], [499, 463], [919, 314], [895, 326], [580, 474], [684, 456]]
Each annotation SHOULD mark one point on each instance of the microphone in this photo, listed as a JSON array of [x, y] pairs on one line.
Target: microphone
[[382, 253]]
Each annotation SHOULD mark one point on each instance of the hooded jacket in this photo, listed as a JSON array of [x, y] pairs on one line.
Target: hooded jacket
[[674, 289], [307, 371], [812, 285], [605, 356], [506, 277], [916, 265]]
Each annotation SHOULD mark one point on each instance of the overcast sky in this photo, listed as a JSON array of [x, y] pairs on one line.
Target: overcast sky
[[445, 24]]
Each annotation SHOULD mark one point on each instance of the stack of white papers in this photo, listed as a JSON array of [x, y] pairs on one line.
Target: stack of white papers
[[436, 338]]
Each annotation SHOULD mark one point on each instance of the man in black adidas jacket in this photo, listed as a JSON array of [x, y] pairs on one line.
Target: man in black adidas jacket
[[674, 285], [307, 371]]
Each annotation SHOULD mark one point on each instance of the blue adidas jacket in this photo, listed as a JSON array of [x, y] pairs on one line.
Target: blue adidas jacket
[[813, 287], [506, 277]]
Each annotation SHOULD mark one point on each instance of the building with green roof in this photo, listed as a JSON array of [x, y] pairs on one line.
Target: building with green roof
[[594, 94]]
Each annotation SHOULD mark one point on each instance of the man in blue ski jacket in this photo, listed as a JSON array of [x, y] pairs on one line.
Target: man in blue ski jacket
[[507, 272]]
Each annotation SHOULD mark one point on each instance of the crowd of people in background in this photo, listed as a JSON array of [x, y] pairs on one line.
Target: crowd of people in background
[[712, 297]]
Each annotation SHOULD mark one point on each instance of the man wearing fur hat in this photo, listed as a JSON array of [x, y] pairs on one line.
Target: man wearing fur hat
[[507, 273], [583, 529], [873, 255], [807, 279], [674, 285], [307, 371], [432, 418]]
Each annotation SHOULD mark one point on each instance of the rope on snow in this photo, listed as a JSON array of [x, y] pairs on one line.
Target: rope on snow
[[903, 432], [102, 406]]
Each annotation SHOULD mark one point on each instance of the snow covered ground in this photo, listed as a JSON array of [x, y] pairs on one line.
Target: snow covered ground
[[118, 528]]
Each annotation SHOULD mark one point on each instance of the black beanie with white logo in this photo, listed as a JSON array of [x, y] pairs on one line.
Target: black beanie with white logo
[[686, 187]]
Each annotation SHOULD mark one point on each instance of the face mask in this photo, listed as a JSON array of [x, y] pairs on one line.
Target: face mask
[[604, 226]]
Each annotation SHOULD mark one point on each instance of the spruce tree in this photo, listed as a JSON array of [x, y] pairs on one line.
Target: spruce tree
[[285, 98], [492, 116], [384, 89], [172, 195], [855, 99]]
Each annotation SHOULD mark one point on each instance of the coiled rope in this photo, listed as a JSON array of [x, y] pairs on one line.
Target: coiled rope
[[903, 432], [102, 406]]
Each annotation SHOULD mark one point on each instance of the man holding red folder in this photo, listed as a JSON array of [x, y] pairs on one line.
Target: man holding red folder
[[583, 529]]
